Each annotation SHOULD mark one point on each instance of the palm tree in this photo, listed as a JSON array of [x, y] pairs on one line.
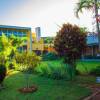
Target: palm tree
[[83, 4], [88, 5]]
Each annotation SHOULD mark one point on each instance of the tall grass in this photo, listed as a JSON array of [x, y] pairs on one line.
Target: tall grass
[[57, 69], [53, 69]]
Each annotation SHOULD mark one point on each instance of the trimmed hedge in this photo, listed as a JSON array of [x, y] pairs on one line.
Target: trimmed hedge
[[92, 57], [50, 56]]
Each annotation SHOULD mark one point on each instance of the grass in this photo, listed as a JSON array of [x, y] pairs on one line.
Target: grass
[[48, 89]]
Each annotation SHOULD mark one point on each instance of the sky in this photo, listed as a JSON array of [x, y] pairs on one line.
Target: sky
[[47, 14]]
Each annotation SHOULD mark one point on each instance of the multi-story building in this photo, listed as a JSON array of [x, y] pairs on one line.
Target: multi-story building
[[37, 41], [18, 32], [38, 33], [92, 45]]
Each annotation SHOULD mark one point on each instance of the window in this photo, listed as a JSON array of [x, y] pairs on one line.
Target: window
[[0, 33]]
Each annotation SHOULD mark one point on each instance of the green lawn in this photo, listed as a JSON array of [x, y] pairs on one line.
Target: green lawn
[[48, 89]]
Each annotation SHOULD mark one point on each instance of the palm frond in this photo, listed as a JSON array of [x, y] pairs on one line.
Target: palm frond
[[83, 4]]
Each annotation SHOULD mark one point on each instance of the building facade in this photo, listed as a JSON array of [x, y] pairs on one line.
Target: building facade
[[37, 41], [18, 32], [38, 33], [92, 45]]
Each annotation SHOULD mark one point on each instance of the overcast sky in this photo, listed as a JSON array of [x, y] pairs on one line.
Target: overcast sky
[[48, 14]]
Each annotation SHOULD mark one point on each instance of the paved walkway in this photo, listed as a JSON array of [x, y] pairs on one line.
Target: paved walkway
[[95, 92]]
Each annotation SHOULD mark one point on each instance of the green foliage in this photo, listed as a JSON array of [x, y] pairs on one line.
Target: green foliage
[[52, 69], [70, 44], [85, 67], [57, 73], [96, 71], [8, 47], [27, 60], [2, 68], [50, 56], [48, 40], [2, 59], [85, 4], [11, 64], [56, 69], [2, 72]]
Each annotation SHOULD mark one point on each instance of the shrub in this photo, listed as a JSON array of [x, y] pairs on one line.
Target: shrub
[[96, 71], [11, 65], [49, 56], [2, 73], [52, 69], [27, 61], [77, 72], [44, 71], [56, 73]]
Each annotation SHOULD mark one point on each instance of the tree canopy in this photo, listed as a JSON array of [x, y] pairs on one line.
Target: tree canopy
[[85, 4], [70, 42]]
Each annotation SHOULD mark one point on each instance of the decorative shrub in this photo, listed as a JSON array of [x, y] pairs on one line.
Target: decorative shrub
[[52, 70], [57, 73], [96, 71], [27, 61], [49, 56], [2, 73]]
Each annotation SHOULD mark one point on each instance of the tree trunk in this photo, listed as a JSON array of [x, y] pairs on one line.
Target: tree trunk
[[97, 23], [71, 69]]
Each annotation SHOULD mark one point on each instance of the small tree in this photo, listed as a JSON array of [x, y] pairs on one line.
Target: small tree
[[70, 43], [27, 61]]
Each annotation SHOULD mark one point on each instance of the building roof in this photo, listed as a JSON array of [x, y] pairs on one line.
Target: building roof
[[15, 27], [92, 39]]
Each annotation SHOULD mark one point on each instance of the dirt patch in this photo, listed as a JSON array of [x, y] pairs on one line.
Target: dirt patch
[[29, 89]]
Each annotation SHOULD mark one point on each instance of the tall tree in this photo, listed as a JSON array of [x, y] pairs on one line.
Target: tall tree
[[89, 5]]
